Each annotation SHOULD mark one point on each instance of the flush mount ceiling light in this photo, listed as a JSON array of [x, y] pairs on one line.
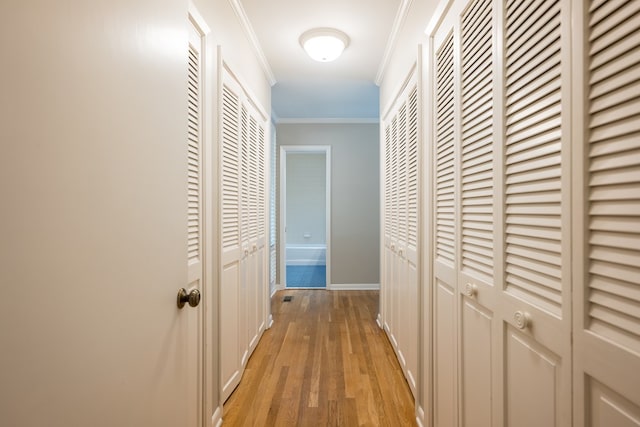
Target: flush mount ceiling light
[[324, 44]]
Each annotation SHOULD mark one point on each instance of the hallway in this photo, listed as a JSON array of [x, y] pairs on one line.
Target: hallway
[[324, 362]]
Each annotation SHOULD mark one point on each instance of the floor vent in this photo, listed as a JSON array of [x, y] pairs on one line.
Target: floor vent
[[287, 298]]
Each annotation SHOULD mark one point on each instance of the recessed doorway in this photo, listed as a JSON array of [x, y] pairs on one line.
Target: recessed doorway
[[305, 201]]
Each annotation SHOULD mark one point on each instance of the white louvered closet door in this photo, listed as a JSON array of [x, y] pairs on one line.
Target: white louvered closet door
[[535, 296], [445, 291], [230, 233], [476, 219], [536, 285], [245, 227], [244, 297], [411, 249], [262, 254], [387, 255], [607, 262], [400, 281], [400, 227]]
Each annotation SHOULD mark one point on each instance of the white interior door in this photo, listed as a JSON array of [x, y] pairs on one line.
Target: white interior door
[[231, 318], [94, 218]]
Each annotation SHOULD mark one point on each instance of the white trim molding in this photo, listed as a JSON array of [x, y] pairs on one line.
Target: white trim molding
[[401, 15], [253, 39]]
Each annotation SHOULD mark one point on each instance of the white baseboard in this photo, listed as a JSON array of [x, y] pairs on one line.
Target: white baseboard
[[277, 288], [216, 418], [270, 322], [379, 321], [420, 417], [354, 287]]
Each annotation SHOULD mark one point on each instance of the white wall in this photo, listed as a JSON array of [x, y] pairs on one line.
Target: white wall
[[355, 199]]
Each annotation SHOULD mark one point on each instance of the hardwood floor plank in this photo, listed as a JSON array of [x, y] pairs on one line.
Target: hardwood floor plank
[[325, 362]]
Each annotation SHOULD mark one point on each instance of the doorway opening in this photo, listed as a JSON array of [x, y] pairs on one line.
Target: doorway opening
[[305, 220]]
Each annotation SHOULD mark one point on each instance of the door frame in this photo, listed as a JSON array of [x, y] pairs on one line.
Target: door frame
[[310, 149], [208, 410]]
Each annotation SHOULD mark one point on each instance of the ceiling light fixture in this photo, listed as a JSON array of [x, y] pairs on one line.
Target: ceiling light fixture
[[324, 44]]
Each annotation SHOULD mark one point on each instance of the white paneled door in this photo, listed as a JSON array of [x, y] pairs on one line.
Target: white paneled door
[[244, 286], [96, 234], [231, 251], [502, 283], [607, 202], [400, 226]]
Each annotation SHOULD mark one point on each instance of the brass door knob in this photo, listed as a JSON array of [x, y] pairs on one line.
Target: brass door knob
[[193, 297]]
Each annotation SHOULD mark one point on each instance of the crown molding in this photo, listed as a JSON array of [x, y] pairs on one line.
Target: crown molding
[[253, 39], [401, 15]]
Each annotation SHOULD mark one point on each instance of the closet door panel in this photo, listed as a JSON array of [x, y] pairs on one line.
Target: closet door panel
[[445, 355], [445, 298], [245, 227], [412, 328], [476, 366], [476, 222], [534, 304], [411, 246], [262, 284], [607, 302], [531, 381], [608, 408], [230, 253]]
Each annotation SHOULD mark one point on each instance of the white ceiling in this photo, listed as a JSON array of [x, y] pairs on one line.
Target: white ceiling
[[306, 89]]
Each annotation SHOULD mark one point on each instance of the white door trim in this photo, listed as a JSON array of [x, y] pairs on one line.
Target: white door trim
[[205, 339], [284, 150]]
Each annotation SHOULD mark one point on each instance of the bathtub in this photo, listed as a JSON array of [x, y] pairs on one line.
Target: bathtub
[[311, 254]]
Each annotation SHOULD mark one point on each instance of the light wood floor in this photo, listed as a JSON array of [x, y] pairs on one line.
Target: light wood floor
[[324, 362]]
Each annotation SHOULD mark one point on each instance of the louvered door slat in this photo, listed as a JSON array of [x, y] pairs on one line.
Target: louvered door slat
[[261, 181], [244, 174], [401, 172], [533, 154], [230, 169], [413, 166], [445, 174], [394, 178], [614, 173], [253, 178], [193, 157], [477, 141], [387, 181]]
